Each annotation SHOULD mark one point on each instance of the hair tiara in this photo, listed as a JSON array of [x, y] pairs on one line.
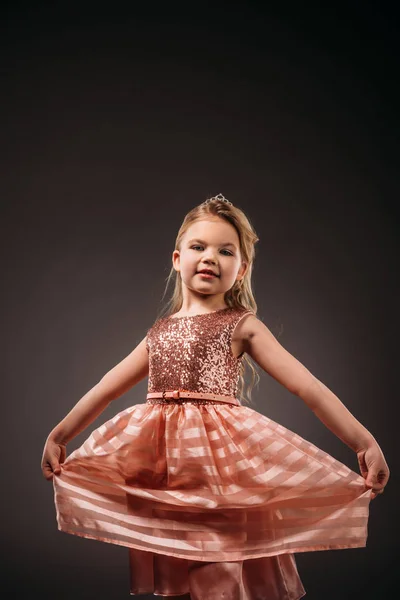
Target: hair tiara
[[219, 197]]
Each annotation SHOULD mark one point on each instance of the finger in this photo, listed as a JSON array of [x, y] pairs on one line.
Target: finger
[[363, 466], [377, 492], [383, 478], [50, 468], [372, 478], [55, 465], [47, 472], [361, 460]]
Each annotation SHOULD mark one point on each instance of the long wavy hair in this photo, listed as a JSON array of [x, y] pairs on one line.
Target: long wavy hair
[[241, 294]]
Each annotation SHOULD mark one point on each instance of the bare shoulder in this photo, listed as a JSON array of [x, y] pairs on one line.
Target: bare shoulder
[[247, 327], [251, 332], [243, 332]]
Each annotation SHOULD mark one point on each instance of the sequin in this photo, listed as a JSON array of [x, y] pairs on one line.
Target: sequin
[[194, 353]]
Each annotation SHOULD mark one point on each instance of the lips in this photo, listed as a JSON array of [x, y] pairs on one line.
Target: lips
[[208, 272]]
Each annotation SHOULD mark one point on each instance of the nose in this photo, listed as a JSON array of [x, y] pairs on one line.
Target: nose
[[209, 258]]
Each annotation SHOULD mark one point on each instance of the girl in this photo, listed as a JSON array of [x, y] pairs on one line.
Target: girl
[[210, 497]]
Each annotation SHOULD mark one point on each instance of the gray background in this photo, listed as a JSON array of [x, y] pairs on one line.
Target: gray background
[[114, 125]]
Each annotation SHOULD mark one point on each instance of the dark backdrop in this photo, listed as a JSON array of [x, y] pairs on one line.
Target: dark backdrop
[[115, 123]]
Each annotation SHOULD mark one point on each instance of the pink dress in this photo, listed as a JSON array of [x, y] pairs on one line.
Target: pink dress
[[210, 498]]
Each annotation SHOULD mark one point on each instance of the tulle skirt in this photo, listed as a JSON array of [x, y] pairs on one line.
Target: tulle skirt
[[211, 499]]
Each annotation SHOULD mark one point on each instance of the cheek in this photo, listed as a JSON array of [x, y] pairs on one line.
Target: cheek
[[188, 265], [231, 268]]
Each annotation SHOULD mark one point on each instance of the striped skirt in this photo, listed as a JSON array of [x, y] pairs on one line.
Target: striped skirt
[[207, 495]]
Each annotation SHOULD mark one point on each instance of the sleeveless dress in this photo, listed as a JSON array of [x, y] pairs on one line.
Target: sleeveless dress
[[207, 495]]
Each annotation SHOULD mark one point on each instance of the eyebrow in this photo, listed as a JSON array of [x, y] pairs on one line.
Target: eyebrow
[[202, 242]]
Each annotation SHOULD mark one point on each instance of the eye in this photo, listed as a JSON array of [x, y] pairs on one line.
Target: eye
[[199, 246]]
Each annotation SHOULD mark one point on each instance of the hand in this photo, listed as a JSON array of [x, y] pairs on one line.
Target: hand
[[54, 453], [373, 468]]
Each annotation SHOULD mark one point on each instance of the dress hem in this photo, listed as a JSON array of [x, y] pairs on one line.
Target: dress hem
[[314, 548]]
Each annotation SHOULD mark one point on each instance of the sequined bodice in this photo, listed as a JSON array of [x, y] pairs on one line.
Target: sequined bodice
[[194, 353]]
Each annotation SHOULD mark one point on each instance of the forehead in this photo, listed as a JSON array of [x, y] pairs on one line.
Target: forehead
[[212, 230]]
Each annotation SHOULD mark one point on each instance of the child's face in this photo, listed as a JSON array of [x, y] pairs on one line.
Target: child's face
[[212, 243]]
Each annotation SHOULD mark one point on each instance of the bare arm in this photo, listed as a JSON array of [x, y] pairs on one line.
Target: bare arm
[[132, 369], [264, 348]]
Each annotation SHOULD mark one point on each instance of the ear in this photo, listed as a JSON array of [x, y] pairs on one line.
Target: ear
[[176, 260], [242, 271]]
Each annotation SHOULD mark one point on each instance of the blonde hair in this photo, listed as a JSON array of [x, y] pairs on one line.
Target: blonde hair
[[241, 294]]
